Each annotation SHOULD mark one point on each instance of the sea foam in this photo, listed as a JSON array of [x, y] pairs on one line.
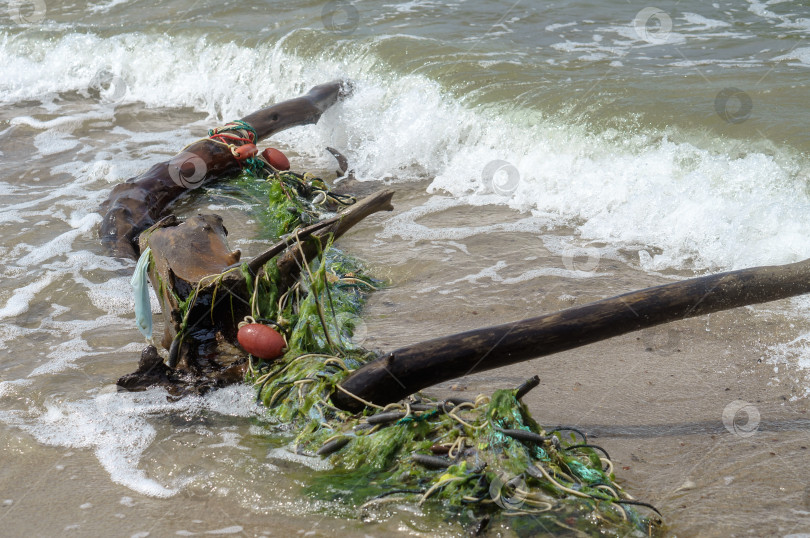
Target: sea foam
[[697, 207]]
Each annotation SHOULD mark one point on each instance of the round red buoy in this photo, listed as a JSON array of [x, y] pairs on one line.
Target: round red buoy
[[260, 341], [276, 159]]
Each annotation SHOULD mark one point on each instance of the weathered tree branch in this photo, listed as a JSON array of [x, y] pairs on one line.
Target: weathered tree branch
[[186, 254], [412, 368], [290, 263], [141, 201]]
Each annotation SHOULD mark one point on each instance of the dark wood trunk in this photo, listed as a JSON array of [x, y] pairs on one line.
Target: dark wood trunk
[[187, 255], [190, 256], [289, 264], [137, 204], [412, 368]]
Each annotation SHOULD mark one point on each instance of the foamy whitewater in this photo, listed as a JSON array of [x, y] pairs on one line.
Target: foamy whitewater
[[563, 117]]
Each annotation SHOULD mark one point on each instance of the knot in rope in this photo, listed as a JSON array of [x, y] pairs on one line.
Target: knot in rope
[[234, 134]]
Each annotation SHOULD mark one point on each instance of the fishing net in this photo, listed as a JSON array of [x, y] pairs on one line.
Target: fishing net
[[472, 459]]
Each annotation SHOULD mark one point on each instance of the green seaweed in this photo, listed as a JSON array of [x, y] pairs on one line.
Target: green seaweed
[[460, 457]]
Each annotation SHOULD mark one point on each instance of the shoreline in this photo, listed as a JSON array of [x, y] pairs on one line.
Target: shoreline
[[625, 393]]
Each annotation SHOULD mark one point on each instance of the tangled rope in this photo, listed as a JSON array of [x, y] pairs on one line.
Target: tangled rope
[[235, 134], [487, 454]]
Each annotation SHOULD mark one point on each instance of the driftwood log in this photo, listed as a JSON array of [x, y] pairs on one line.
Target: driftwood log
[[137, 204], [188, 259], [412, 368], [185, 254]]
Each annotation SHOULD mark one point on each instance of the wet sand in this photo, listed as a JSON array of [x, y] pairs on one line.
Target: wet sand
[[654, 400]]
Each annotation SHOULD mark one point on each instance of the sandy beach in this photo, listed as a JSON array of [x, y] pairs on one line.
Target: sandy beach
[[655, 400]]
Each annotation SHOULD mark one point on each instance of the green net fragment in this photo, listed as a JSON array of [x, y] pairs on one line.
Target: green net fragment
[[465, 459]]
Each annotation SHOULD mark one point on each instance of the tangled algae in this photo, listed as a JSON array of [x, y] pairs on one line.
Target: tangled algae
[[474, 459]]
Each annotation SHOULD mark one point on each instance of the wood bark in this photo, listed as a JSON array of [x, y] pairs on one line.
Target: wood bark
[[189, 253], [185, 254], [412, 368], [137, 204], [289, 264]]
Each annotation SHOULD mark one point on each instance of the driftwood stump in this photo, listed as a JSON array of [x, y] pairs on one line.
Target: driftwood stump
[[192, 259], [135, 205]]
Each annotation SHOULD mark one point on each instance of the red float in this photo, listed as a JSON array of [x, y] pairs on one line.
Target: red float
[[276, 159], [245, 151], [260, 341]]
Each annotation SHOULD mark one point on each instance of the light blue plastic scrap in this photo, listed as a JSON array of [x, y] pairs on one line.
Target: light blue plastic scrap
[[143, 309]]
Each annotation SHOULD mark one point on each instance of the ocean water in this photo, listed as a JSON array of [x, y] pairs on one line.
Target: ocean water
[[601, 146]]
